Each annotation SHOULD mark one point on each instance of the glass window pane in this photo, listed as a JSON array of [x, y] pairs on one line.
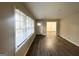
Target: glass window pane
[[24, 27], [18, 25]]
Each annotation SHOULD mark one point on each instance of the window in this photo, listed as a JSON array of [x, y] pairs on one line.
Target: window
[[24, 27]]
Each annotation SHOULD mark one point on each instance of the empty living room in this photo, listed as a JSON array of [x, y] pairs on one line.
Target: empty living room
[[39, 28]]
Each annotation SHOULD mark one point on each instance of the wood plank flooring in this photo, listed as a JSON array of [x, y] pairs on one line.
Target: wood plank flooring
[[52, 45]]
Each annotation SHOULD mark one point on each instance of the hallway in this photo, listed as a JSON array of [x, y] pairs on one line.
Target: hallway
[[52, 45]]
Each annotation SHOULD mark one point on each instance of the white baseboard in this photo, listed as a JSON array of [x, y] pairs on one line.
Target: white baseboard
[[70, 41]]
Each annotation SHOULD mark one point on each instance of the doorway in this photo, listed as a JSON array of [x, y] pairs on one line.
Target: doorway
[[51, 28]]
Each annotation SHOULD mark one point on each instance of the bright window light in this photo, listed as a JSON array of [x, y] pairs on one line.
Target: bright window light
[[51, 26], [24, 26]]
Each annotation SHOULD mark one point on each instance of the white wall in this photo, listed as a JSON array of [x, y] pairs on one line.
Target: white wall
[[7, 41], [69, 28], [41, 29]]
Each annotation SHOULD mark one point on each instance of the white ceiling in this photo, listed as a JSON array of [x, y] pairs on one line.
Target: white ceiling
[[53, 10]]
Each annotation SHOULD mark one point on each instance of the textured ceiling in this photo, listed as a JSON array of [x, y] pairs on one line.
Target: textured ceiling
[[52, 10]]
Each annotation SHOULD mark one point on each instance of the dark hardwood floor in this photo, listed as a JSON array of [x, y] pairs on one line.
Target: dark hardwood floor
[[52, 45]]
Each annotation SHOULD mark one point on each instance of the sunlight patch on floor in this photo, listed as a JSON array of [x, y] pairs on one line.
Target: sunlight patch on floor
[[50, 40]]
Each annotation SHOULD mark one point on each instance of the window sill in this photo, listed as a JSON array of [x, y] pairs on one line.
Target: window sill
[[23, 42]]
